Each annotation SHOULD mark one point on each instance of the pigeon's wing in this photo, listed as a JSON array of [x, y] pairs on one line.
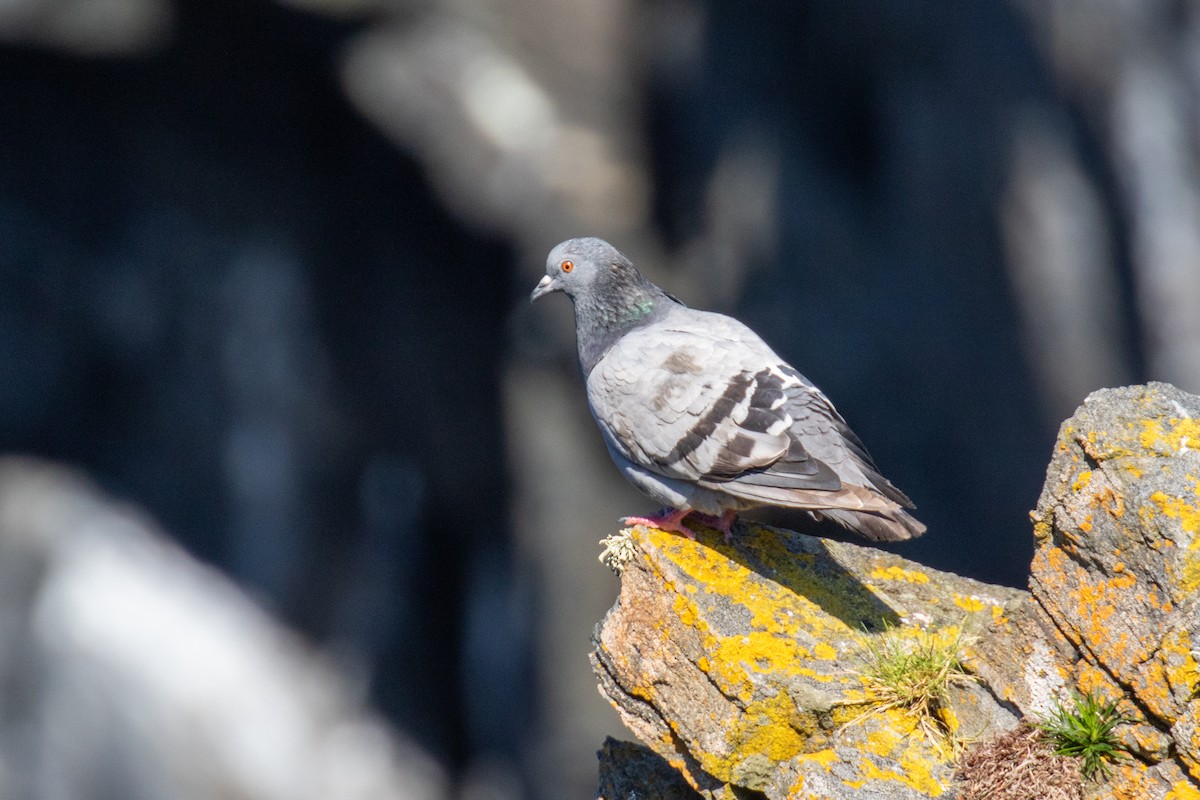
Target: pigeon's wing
[[829, 438], [699, 397]]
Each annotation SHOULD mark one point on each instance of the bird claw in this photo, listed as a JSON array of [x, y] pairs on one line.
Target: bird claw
[[669, 519]]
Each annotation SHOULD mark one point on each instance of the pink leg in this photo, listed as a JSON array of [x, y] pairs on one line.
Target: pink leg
[[669, 519], [723, 523]]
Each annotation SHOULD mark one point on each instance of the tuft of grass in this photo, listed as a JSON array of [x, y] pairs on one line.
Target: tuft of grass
[[914, 674], [1087, 730]]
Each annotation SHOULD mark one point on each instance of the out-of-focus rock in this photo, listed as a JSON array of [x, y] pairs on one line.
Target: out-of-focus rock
[[497, 143], [89, 27], [127, 669], [741, 664]]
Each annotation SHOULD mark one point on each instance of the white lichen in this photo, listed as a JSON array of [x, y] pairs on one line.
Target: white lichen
[[618, 550]]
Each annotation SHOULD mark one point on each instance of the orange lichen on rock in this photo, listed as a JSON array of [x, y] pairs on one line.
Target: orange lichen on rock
[[1123, 587]]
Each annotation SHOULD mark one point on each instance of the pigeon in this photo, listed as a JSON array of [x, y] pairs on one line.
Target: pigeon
[[701, 415]]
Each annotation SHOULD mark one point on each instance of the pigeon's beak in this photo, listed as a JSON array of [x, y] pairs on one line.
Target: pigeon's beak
[[545, 286]]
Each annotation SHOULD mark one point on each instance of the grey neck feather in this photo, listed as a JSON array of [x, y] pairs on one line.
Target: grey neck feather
[[619, 301]]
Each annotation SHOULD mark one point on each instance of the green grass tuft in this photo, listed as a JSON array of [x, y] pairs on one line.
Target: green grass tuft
[[1087, 730], [915, 673]]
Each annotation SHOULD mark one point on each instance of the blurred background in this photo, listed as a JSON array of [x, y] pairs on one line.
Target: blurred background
[[264, 269]]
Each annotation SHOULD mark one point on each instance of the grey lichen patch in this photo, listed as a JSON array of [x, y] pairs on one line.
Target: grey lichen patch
[[754, 772]]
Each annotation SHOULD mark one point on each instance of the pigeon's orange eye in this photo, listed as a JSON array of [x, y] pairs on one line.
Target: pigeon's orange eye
[[567, 266]]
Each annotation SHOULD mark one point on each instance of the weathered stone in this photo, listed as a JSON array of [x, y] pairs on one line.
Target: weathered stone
[[1117, 567], [741, 664]]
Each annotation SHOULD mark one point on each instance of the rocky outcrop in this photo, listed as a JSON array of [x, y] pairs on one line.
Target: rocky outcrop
[[744, 666], [1114, 583], [741, 664]]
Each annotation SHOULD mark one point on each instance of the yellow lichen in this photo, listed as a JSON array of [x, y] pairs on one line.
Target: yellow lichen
[[758, 652], [793, 625], [899, 742], [1171, 435], [1150, 686], [826, 758], [1189, 576], [772, 729], [949, 719], [1182, 668], [1042, 530], [1097, 603], [1128, 782], [687, 613], [1182, 790], [783, 605], [1091, 680], [824, 651], [896, 573], [1188, 513], [971, 604]]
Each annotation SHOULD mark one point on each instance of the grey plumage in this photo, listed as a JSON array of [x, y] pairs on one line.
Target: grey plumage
[[700, 414]]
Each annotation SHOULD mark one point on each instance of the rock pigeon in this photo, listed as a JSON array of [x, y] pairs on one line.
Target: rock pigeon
[[701, 415]]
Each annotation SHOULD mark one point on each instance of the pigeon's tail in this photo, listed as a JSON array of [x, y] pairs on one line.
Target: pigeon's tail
[[892, 525]]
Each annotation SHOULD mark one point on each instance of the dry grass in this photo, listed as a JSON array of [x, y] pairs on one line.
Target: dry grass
[[1019, 765]]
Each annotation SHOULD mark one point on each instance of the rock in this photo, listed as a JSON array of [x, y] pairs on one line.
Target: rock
[[1117, 567], [1113, 603], [742, 665]]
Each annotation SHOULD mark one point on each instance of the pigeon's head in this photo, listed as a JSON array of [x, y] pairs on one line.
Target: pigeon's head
[[576, 264]]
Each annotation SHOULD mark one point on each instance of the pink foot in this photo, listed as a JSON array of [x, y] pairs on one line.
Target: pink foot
[[723, 523], [669, 519]]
